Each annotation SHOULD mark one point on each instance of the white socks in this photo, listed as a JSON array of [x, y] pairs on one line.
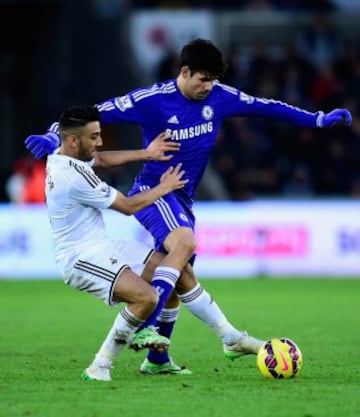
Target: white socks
[[125, 325], [169, 315], [203, 306]]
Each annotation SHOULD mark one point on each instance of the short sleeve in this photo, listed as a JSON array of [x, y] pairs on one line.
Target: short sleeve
[[89, 190]]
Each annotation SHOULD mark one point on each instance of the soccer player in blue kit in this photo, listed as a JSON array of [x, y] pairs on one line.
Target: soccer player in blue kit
[[192, 108]]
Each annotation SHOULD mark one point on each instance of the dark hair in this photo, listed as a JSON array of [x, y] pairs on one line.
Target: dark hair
[[201, 55], [78, 116]]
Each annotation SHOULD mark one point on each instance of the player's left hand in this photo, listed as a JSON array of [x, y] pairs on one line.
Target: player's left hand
[[161, 145], [172, 178], [41, 145], [336, 116]]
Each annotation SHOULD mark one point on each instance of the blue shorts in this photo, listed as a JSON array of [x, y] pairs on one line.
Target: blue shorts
[[165, 215]]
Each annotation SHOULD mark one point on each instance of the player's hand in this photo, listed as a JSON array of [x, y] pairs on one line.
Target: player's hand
[[172, 178], [41, 145], [337, 116], [161, 145]]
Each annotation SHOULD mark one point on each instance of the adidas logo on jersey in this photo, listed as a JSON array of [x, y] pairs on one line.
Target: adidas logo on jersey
[[173, 120]]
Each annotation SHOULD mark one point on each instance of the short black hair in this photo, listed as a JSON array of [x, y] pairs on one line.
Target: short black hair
[[201, 55], [78, 116]]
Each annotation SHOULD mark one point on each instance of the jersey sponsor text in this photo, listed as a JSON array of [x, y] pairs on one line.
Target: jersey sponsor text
[[191, 132]]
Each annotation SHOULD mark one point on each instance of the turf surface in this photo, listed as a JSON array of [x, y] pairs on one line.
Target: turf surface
[[50, 332]]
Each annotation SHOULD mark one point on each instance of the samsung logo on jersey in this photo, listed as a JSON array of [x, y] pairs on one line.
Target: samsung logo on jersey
[[191, 132]]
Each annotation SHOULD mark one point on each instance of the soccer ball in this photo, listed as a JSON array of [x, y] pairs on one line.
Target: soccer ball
[[279, 358]]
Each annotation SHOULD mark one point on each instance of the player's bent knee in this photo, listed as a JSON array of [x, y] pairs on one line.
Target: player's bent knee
[[147, 302], [187, 247], [183, 251], [152, 298], [146, 295], [181, 241]]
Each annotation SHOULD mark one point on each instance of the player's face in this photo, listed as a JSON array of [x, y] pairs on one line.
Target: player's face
[[88, 141], [198, 85]]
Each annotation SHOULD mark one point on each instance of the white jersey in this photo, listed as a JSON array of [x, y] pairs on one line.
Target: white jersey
[[75, 196]]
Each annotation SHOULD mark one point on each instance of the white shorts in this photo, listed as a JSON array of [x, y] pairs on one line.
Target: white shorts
[[98, 268]]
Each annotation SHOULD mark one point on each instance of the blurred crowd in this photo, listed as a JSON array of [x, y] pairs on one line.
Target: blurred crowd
[[253, 157], [258, 158], [26, 184], [288, 5]]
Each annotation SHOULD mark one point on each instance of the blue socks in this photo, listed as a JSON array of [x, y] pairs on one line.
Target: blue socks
[[164, 281]]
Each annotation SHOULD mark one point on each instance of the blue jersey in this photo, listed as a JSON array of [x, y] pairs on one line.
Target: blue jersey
[[194, 123]]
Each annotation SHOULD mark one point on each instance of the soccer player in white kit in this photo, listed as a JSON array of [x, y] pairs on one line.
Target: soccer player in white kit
[[87, 258]]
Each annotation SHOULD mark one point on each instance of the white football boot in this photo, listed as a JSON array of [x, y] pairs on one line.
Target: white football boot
[[246, 345], [97, 371]]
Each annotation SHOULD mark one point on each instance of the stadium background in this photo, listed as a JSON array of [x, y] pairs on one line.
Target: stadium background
[[62, 52]]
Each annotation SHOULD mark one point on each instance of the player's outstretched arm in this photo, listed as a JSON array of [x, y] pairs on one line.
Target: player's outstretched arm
[[171, 180], [283, 112], [157, 150]]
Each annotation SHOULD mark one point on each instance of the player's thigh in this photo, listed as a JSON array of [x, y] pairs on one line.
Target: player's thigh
[[98, 269], [131, 288]]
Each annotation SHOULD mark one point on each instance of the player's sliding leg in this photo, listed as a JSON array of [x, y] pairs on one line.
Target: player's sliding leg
[[163, 278], [141, 301], [120, 334]]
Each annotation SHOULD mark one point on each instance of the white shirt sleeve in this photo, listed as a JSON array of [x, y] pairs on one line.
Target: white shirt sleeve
[[89, 190]]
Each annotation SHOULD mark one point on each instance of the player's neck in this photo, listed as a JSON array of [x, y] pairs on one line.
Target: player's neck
[[181, 86], [64, 151]]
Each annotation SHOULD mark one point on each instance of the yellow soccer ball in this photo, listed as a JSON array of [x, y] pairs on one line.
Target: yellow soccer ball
[[279, 358]]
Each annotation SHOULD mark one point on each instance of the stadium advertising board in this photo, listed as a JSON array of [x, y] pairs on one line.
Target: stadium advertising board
[[233, 239]]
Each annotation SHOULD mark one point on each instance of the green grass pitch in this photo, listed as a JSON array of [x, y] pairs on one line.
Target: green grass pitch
[[50, 332]]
